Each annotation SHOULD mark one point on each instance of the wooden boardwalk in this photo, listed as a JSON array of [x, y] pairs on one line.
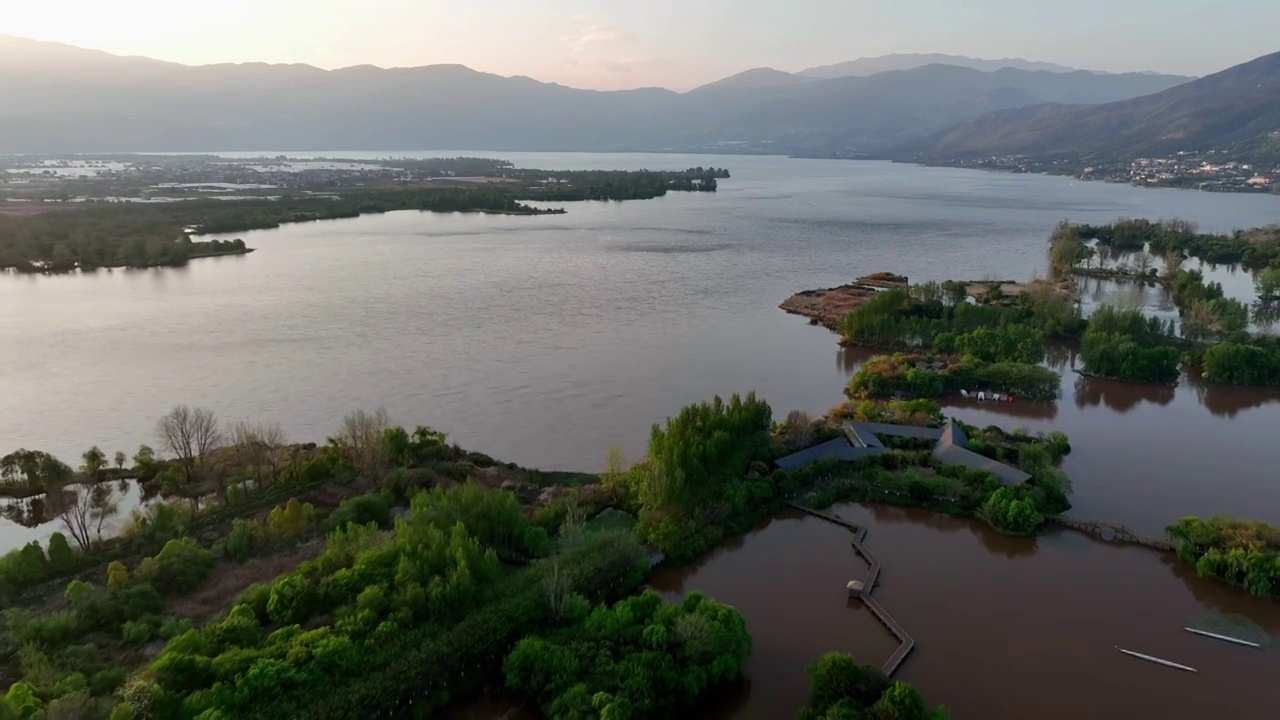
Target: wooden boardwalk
[[905, 642], [1118, 533]]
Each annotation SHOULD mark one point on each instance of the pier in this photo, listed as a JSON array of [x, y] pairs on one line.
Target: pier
[[905, 642]]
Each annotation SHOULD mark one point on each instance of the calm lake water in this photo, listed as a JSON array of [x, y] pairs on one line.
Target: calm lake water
[[544, 340]]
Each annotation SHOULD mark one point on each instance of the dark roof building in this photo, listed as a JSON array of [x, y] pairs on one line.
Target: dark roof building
[[838, 449], [862, 441]]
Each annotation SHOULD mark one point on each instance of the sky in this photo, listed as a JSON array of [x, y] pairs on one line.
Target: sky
[[677, 44]]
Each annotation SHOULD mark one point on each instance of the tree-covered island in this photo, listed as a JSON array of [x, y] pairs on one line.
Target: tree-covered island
[[971, 336], [51, 234]]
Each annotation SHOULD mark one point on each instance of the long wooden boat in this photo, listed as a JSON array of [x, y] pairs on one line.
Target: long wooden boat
[[1156, 660], [1224, 638]]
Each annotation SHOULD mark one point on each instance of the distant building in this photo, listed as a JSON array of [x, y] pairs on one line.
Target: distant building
[[1259, 181]]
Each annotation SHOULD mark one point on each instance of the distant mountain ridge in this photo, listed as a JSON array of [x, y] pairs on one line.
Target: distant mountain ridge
[[58, 98], [907, 61], [1237, 110]]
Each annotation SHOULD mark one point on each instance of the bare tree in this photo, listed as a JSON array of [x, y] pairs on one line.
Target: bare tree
[[190, 434], [121, 459], [275, 448], [102, 505], [363, 437], [74, 506], [801, 427], [1144, 262], [1172, 262], [258, 450]]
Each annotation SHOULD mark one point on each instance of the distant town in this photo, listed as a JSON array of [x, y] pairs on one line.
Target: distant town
[[1210, 171]]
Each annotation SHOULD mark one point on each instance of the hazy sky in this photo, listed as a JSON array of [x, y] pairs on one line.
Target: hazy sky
[[671, 43]]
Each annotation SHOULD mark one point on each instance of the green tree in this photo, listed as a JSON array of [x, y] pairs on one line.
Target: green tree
[[1267, 282], [701, 450], [94, 462], [61, 557]]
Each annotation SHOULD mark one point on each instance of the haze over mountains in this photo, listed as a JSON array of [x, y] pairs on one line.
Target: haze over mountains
[[59, 98], [1237, 110], [906, 61]]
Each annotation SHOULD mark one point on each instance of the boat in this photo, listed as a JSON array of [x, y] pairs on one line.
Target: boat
[[1156, 660], [1224, 638]]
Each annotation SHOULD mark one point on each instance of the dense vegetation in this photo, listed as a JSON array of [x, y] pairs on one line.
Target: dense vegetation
[[431, 590], [922, 375], [933, 315], [1253, 249], [1241, 552], [842, 689], [957, 345], [1126, 345], [1255, 361], [460, 543], [706, 476], [638, 659], [620, 184], [143, 235]]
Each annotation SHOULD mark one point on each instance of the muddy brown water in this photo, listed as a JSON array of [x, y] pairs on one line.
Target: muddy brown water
[[1004, 627]]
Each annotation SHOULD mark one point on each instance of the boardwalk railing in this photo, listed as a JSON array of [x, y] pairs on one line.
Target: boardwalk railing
[[1118, 533], [905, 642]]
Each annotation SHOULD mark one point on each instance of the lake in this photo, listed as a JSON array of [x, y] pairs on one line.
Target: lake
[[544, 340]]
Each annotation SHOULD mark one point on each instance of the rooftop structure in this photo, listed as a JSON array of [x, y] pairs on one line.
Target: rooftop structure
[[862, 440]]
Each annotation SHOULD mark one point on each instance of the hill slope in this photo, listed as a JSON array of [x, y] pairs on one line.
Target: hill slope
[[755, 78], [58, 98], [1237, 109]]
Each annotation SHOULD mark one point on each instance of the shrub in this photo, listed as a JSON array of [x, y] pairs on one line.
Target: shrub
[[112, 609], [135, 632], [117, 575], [61, 557], [172, 627], [245, 539], [105, 682], [179, 567], [24, 566], [77, 591], [374, 508], [293, 519], [293, 600]]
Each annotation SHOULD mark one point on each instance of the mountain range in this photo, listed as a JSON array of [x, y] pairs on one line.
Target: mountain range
[[1237, 110], [906, 61], [59, 98]]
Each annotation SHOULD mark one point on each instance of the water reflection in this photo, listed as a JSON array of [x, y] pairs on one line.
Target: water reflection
[[28, 519], [1220, 400], [998, 544], [1119, 396], [1229, 400]]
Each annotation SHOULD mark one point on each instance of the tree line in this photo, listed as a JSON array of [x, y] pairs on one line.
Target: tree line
[[148, 234], [575, 185]]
